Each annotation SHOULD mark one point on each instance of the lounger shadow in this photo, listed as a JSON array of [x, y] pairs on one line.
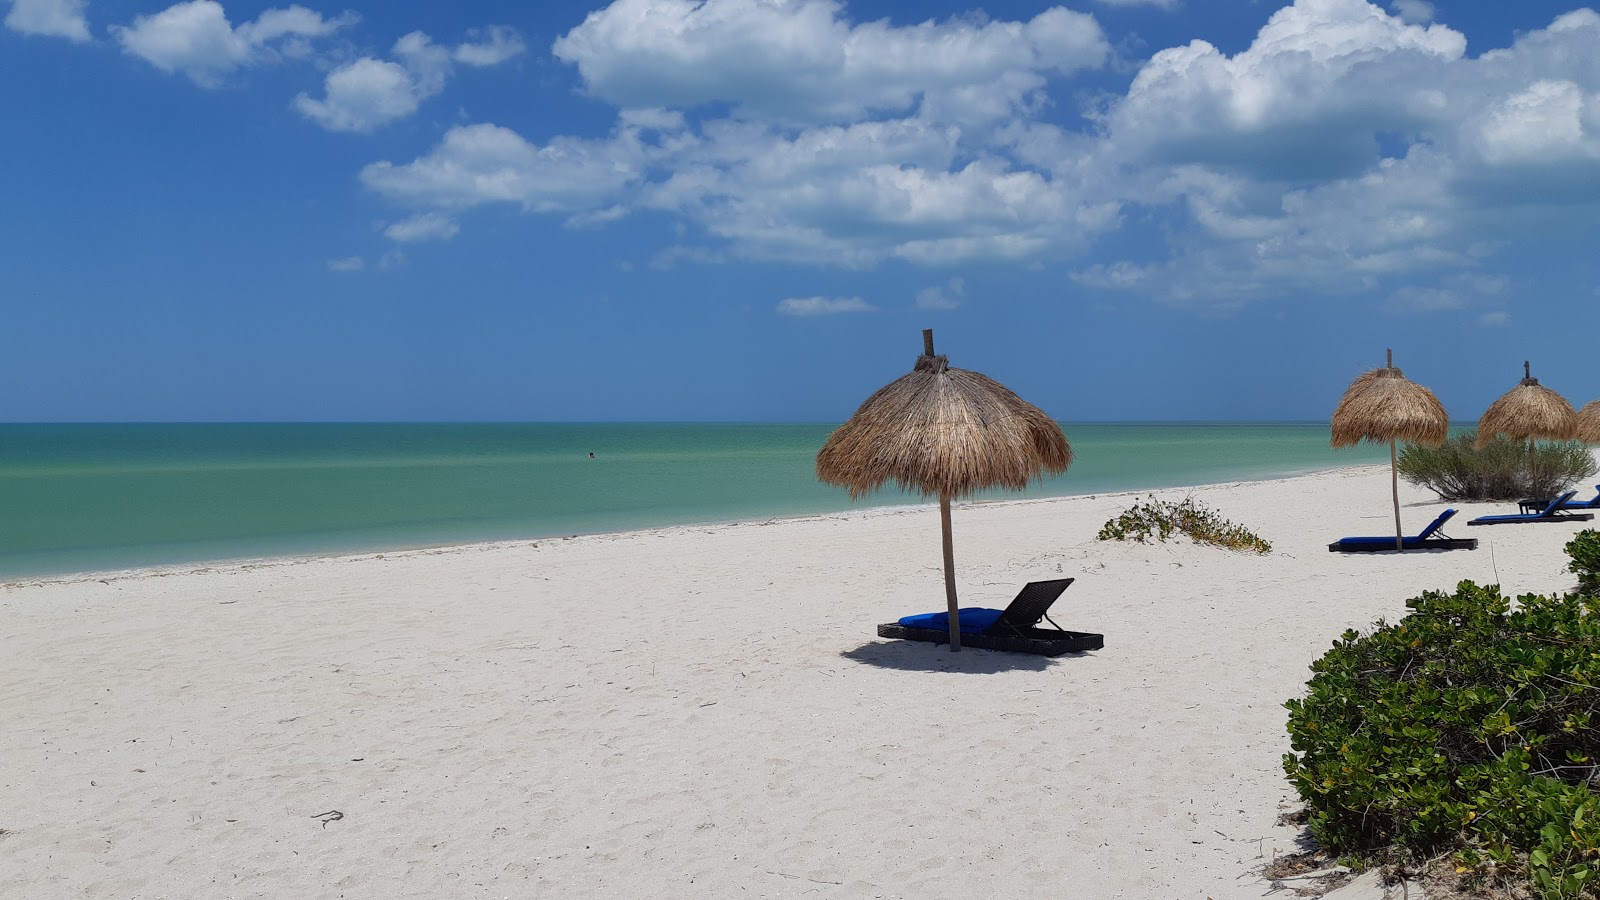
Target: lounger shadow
[[1551, 513], [1538, 503], [1013, 629], [1431, 538]]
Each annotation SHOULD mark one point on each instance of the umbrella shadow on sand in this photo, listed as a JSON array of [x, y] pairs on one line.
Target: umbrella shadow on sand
[[914, 656]]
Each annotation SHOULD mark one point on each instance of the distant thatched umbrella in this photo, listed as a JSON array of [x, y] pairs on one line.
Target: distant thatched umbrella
[[943, 432], [1589, 422], [1528, 411], [1382, 406]]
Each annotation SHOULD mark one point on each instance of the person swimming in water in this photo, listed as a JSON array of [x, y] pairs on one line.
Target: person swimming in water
[[591, 454]]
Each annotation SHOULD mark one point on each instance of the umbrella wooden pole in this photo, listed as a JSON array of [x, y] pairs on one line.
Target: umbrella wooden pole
[[1394, 488], [949, 574]]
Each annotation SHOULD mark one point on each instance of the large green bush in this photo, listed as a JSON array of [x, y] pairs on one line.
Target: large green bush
[[1467, 728], [1584, 549], [1502, 470], [1161, 519]]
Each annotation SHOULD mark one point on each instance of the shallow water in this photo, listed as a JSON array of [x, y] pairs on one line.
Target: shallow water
[[86, 497]]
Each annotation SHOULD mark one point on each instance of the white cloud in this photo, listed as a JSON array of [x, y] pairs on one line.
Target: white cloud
[[1303, 101], [423, 227], [801, 60], [947, 296], [362, 95], [489, 47], [477, 164], [1272, 164], [49, 18], [368, 93], [1550, 121], [196, 38], [346, 264], [1413, 12], [1495, 318], [823, 306], [1346, 150]]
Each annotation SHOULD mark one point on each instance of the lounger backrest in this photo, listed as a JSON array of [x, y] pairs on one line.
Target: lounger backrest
[[1443, 518], [1595, 500], [1556, 504], [1030, 605]]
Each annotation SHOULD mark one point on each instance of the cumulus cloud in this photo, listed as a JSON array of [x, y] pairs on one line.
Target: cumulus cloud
[[1347, 149], [423, 227], [368, 93], [1413, 12], [946, 296], [823, 306], [476, 164], [802, 60], [196, 39], [49, 18]]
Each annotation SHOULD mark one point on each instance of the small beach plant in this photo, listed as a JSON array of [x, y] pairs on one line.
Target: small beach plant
[[1467, 731], [1161, 519], [1500, 470]]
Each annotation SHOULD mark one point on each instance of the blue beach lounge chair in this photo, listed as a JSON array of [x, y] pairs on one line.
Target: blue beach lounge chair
[[1431, 538], [1012, 629], [1551, 513], [1538, 503]]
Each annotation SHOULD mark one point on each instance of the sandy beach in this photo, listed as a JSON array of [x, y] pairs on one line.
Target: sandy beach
[[699, 712]]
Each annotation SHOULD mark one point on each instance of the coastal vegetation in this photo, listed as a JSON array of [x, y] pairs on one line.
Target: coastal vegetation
[[1501, 469], [1161, 519], [1584, 551], [1467, 733]]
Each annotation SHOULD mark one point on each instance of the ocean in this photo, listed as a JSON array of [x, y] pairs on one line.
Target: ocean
[[76, 498]]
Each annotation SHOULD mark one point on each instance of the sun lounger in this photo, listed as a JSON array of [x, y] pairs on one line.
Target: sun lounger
[[1538, 503], [1551, 513], [1431, 538], [1012, 629]]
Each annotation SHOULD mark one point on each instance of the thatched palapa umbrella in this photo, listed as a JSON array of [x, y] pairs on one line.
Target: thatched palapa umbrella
[[1589, 423], [1382, 406], [943, 432], [1528, 411]]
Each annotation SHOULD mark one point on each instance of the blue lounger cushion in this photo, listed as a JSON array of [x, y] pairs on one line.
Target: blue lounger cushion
[[1549, 512], [1409, 540], [973, 620]]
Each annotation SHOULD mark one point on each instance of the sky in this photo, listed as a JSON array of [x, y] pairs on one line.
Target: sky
[[748, 210]]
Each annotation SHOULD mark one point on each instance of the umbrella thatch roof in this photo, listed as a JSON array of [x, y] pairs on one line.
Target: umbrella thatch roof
[[1383, 405], [943, 432], [1529, 410], [1589, 423]]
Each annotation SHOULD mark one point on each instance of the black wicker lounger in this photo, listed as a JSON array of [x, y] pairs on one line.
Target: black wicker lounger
[[1015, 630]]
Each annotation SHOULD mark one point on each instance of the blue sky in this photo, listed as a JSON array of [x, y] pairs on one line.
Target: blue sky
[[748, 209]]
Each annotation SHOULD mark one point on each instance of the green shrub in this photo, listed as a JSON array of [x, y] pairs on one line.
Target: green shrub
[[1163, 518], [1502, 470], [1467, 728], [1584, 548]]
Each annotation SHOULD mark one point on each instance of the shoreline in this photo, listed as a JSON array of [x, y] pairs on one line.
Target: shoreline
[[285, 559]]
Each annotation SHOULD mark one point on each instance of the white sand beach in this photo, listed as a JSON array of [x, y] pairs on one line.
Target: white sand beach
[[699, 712]]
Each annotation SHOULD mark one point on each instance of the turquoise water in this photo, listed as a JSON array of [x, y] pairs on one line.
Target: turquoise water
[[87, 497]]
